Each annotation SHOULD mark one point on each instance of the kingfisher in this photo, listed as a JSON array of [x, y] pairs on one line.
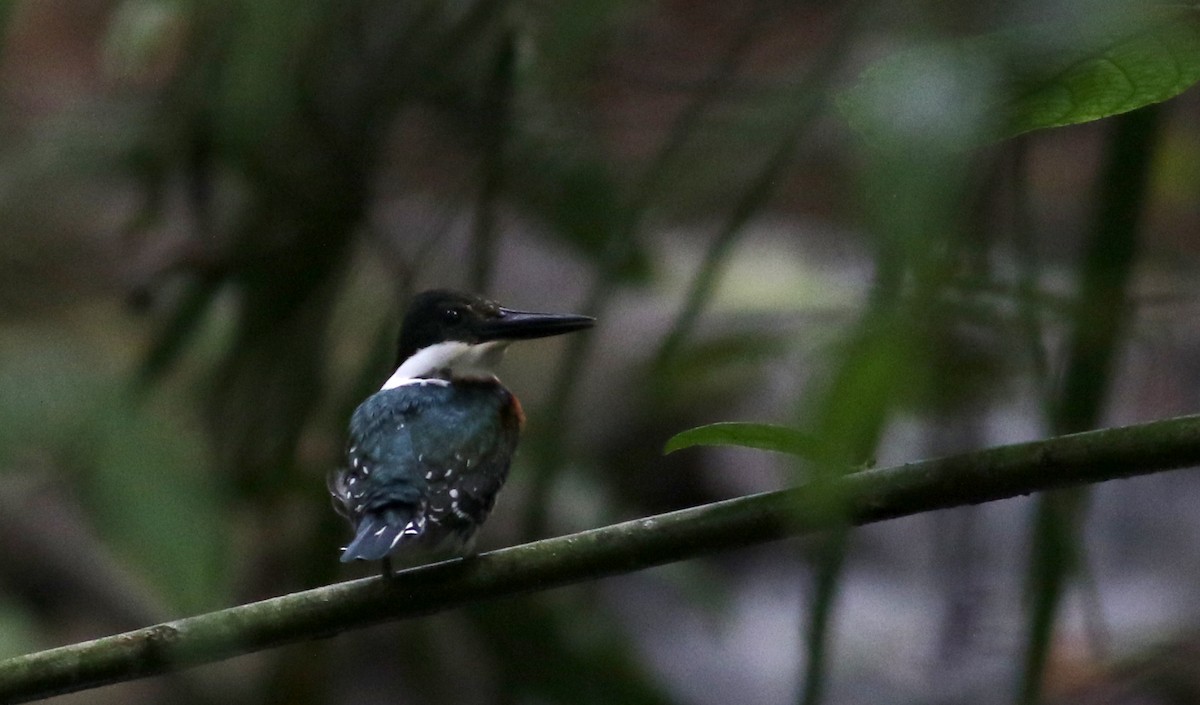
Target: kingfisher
[[428, 453]]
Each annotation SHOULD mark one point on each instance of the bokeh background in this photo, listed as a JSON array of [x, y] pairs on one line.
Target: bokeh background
[[213, 211]]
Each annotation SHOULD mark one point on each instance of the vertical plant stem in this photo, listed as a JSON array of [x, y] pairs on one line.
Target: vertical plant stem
[[1101, 312], [1028, 264], [831, 556], [854, 411]]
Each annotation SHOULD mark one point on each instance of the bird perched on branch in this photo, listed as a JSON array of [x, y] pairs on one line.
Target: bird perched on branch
[[428, 452]]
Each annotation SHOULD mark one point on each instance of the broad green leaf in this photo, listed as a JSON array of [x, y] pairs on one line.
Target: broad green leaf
[[993, 86], [778, 439]]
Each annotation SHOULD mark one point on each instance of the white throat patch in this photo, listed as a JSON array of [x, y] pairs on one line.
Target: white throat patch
[[459, 358]]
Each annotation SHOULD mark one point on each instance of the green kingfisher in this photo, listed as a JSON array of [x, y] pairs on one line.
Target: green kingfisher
[[428, 452]]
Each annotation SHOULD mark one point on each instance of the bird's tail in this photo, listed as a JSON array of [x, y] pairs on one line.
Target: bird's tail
[[378, 535]]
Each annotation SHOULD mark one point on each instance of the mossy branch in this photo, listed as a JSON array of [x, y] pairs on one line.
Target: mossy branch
[[867, 496]]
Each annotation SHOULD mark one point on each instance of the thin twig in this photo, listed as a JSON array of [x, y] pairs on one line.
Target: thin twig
[[870, 496]]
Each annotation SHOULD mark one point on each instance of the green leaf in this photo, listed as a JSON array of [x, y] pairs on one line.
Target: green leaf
[[778, 439], [998, 85]]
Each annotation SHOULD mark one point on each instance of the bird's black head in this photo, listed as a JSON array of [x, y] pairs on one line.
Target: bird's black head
[[444, 316]]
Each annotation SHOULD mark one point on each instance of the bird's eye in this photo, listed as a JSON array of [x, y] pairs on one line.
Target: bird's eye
[[451, 315]]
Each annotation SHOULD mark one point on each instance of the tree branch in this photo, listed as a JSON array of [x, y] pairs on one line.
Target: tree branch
[[868, 496]]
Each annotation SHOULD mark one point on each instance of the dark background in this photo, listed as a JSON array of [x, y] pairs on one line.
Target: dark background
[[212, 214]]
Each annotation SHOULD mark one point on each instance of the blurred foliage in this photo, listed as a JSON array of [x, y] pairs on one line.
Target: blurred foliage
[[778, 439], [213, 212], [170, 527], [1060, 73]]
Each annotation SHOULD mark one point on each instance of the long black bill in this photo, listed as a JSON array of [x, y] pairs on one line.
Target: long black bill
[[525, 325]]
